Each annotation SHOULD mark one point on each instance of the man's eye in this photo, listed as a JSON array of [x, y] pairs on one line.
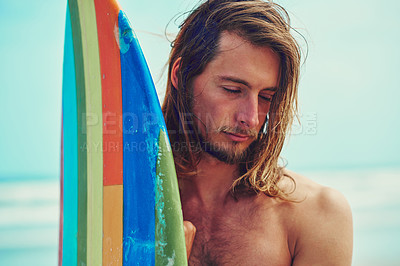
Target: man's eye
[[266, 98], [231, 90]]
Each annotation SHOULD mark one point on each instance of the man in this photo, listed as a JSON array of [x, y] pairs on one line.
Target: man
[[230, 100]]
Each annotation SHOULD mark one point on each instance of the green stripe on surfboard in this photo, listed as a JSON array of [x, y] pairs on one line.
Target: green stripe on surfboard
[[90, 52], [82, 155], [90, 141], [169, 236]]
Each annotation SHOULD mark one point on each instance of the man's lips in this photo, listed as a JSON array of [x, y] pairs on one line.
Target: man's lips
[[237, 137]]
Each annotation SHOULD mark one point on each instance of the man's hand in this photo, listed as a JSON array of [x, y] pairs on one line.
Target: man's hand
[[190, 231]]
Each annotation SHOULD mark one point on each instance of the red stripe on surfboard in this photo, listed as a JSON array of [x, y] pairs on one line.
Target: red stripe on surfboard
[[107, 26], [110, 66]]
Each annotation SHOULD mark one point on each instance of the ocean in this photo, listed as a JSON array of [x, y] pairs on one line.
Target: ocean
[[29, 216]]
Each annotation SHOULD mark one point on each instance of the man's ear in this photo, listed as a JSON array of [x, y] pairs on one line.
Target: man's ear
[[174, 72]]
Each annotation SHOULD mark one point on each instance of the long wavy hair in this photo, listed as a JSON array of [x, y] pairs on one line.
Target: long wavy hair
[[262, 24]]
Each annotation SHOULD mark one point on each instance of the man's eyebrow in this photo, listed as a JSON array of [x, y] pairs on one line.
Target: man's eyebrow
[[241, 81], [234, 79]]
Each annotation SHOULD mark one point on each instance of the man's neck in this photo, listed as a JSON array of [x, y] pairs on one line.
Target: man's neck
[[211, 186]]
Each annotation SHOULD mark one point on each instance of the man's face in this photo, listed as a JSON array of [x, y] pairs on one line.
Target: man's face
[[233, 95]]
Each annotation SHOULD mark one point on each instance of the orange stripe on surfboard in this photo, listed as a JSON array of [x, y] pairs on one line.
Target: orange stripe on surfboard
[[110, 65], [112, 225]]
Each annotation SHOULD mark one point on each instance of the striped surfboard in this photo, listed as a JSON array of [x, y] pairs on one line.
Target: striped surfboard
[[119, 193]]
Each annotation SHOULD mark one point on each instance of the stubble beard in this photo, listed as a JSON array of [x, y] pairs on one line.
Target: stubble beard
[[228, 152]]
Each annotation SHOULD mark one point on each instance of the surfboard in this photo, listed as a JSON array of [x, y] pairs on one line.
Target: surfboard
[[119, 194]]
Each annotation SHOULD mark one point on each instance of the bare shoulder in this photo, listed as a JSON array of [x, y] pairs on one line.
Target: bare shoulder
[[312, 194], [322, 231]]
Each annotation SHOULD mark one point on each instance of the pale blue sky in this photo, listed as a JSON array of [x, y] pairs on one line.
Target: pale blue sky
[[348, 95]]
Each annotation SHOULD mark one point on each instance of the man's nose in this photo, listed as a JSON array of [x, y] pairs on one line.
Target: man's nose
[[248, 112]]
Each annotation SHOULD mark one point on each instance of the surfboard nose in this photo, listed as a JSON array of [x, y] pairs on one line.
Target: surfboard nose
[[126, 34]]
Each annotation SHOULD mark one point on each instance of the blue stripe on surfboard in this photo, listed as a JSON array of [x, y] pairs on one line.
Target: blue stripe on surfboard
[[70, 200], [142, 120]]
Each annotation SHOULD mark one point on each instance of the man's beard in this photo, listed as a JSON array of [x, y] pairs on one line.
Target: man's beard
[[228, 152]]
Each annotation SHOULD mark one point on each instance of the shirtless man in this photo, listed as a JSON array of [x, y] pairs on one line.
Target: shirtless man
[[230, 100]]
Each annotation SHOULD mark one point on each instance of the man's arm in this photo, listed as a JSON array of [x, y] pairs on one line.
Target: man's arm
[[325, 235]]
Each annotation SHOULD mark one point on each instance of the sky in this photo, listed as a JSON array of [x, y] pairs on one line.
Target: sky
[[348, 94]]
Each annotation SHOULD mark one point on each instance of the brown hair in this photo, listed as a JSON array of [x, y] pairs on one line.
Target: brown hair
[[262, 24]]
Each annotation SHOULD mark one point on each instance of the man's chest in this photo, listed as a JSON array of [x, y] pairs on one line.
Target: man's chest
[[239, 239]]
